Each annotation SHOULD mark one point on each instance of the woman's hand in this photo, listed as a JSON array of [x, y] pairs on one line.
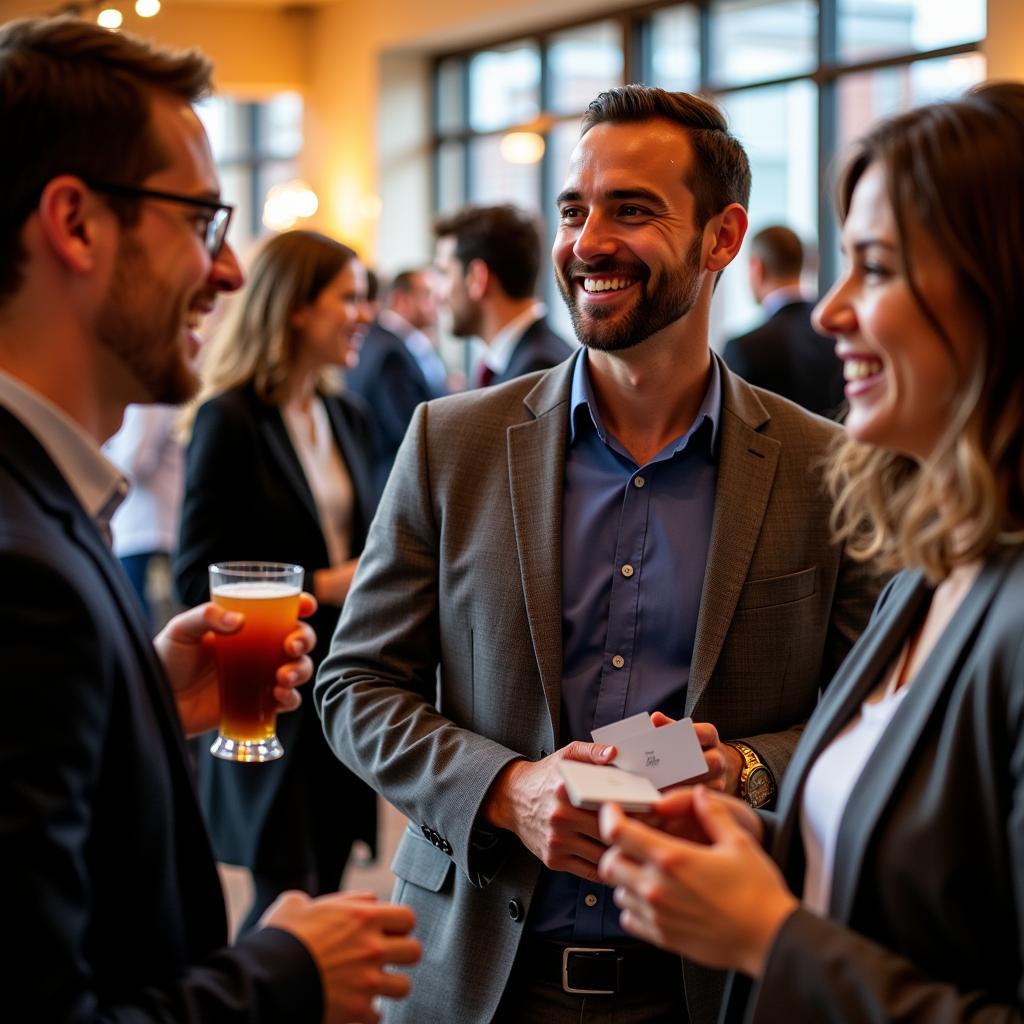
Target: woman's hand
[[719, 903], [332, 585], [185, 646]]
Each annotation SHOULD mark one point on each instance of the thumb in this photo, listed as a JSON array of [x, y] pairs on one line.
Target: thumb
[[713, 816], [597, 753]]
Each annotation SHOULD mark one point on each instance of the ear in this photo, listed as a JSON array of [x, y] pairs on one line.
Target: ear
[[755, 268], [478, 279], [728, 230], [299, 317], [76, 223]]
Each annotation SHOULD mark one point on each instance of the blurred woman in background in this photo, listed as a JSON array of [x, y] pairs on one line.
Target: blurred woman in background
[[895, 887], [278, 469]]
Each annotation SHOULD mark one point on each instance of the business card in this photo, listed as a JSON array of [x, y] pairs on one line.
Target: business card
[[590, 785], [666, 755]]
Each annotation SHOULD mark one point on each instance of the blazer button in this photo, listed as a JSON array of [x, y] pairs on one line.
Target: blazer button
[[515, 910], [426, 830], [446, 847]]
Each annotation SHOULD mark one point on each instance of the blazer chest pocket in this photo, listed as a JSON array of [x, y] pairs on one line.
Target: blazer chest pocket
[[777, 590], [420, 862]]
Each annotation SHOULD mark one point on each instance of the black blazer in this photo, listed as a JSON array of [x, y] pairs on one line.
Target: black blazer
[[786, 355], [538, 349], [391, 383], [246, 497], [112, 902], [928, 894]]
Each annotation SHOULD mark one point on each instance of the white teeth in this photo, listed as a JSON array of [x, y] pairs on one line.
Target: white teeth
[[591, 284], [858, 369], [193, 320]]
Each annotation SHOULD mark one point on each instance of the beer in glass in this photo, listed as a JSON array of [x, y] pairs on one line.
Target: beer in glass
[[267, 594]]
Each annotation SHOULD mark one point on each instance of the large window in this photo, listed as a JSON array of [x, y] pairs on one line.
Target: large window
[[797, 79]]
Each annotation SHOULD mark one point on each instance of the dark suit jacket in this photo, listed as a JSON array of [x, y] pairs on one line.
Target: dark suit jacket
[[112, 904], [538, 349], [786, 355], [447, 663], [391, 383], [927, 913], [246, 497]]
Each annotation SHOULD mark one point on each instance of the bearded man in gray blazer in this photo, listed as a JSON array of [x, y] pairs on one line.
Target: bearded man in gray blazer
[[634, 530]]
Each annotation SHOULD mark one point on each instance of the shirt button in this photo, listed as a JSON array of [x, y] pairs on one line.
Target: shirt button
[[618, 661], [590, 899], [515, 910], [638, 481], [627, 571]]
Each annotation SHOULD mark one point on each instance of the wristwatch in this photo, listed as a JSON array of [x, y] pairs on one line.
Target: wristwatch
[[757, 784]]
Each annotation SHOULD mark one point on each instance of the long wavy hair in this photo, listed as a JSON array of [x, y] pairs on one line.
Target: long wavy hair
[[956, 170], [256, 344]]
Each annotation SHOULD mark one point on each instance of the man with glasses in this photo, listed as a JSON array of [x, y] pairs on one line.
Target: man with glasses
[[112, 251]]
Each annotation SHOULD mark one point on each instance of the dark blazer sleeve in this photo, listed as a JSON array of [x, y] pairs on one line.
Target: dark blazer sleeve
[[51, 765], [395, 399]]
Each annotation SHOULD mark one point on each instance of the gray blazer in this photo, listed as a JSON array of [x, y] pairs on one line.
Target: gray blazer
[[927, 910], [447, 661]]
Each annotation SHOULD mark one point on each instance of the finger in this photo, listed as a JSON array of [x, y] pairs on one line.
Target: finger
[[392, 986], [616, 868], [581, 868], [643, 843], [610, 821], [598, 753], [402, 951], [675, 803], [391, 918], [658, 719], [294, 673], [715, 759], [300, 640], [358, 896], [714, 816], [707, 734], [307, 605], [287, 698]]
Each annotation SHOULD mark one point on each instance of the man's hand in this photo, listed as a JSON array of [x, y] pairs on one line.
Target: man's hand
[[185, 646], [721, 903], [676, 815], [352, 939], [724, 762], [529, 798]]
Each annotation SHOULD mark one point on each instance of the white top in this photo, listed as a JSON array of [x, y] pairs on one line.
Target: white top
[[498, 354], [148, 451], [830, 783], [326, 474], [96, 483]]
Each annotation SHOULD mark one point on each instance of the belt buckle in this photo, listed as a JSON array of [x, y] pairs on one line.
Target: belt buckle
[[566, 987]]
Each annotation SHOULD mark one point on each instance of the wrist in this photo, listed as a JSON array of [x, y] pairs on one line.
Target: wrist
[[766, 927], [497, 809]]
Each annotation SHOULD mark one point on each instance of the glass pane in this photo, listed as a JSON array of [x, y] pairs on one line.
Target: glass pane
[[675, 48], [562, 140], [581, 63], [778, 129], [883, 27], [236, 188], [753, 40], [279, 123], [227, 125], [504, 87], [495, 180], [450, 112], [451, 162]]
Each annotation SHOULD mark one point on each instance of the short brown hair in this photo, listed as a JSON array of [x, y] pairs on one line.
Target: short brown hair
[[721, 171], [780, 250], [505, 238], [956, 171], [75, 99]]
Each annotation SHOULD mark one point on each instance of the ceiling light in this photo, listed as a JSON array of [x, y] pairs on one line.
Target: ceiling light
[[109, 17]]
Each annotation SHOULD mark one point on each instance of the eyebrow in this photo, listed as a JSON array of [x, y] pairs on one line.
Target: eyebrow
[[646, 195]]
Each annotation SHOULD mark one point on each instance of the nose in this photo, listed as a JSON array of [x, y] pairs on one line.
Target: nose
[[225, 271], [594, 239], [834, 313]]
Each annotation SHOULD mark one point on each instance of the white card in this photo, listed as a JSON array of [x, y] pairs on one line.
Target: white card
[[590, 785], [665, 755], [627, 727]]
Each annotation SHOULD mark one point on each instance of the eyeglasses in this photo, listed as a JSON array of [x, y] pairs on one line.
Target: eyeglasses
[[214, 222]]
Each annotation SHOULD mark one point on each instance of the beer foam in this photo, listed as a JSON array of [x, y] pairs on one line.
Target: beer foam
[[256, 590]]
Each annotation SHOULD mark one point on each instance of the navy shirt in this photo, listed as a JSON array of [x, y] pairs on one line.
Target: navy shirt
[[634, 547]]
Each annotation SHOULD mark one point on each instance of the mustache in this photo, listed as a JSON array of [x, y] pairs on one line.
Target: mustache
[[630, 268]]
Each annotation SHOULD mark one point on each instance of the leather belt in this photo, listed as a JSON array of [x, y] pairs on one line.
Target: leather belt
[[602, 970]]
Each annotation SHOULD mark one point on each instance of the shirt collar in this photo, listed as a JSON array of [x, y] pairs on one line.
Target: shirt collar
[[96, 482], [498, 354], [581, 396], [784, 296]]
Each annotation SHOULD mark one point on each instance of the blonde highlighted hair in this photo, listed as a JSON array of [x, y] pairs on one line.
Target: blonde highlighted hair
[[955, 169], [256, 344]]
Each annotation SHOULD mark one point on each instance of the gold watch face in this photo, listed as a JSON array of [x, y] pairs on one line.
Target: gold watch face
[[760, 788]]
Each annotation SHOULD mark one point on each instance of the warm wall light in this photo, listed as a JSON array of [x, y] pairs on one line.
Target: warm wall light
[[109, 17], [287, 203], [147, 8], [522, 147], [370, 207]]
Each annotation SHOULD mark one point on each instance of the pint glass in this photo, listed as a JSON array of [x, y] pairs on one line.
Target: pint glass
[[267, 594]]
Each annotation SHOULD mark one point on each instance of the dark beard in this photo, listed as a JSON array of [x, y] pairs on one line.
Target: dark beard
[[674, 298], [145, 340]]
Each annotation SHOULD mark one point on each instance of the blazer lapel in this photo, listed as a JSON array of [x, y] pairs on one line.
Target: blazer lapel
[[280, 447], [536, 464], [926, 697], [746, 469]]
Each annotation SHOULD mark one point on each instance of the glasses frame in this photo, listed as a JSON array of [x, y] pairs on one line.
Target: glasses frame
[[216, 230]]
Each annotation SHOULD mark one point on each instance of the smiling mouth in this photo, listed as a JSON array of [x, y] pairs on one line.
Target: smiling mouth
[[599, 285], [859, 369]]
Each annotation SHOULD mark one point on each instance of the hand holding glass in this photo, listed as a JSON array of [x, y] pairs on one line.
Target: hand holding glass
[[267, 594]]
